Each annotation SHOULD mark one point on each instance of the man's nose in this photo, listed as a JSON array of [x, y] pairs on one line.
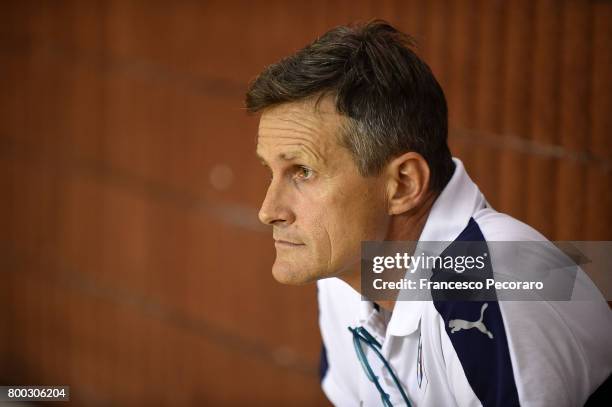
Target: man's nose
[[275, 209]]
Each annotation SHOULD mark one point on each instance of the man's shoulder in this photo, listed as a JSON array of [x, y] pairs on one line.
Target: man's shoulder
[[498, 226]]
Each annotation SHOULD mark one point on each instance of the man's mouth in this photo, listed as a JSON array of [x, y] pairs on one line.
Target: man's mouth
[[286, 243]]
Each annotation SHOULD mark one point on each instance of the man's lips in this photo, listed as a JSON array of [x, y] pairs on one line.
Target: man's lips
[[286, 243]]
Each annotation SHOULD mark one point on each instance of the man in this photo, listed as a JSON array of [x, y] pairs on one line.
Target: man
[[353, 129]]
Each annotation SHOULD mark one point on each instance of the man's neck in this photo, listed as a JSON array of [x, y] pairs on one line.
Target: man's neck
[[405, 227]]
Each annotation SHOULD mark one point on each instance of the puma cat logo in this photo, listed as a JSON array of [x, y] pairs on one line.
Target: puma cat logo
[[459, 324]]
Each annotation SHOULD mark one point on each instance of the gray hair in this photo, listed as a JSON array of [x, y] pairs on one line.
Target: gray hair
[[389, 96]]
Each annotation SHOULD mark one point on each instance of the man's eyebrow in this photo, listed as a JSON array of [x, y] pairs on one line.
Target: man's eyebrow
[[290, 156]]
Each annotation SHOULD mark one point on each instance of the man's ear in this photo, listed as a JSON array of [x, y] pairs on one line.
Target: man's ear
[[408, 182]]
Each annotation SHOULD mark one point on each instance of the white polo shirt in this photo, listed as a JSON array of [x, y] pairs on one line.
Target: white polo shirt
[[539, 353]]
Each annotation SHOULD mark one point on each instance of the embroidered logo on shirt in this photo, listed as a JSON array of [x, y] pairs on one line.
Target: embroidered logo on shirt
[[459, 324]]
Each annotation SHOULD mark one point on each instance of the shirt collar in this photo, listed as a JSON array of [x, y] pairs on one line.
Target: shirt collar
[[449, 215], [453, 209]]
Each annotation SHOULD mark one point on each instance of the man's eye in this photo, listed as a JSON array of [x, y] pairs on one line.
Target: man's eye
[[303, 173]]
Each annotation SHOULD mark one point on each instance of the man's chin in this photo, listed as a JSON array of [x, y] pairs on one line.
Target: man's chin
[[290, 276]]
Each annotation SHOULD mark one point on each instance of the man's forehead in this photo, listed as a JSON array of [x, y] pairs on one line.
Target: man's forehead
[[306, 115], [289, 148], [299, 128]]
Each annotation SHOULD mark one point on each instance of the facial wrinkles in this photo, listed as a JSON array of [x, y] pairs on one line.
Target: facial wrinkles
[[330, 249], [333, 225], [303, 131], [313, 136], [296, 151]]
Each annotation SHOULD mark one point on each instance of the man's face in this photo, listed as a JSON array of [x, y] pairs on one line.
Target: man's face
[[318, 204]]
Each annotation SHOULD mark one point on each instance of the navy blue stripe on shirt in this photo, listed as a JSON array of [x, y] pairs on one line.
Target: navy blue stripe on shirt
[[323, 366], [484, 353]]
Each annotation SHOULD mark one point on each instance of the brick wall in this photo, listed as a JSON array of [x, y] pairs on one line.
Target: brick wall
[[130, 188]]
